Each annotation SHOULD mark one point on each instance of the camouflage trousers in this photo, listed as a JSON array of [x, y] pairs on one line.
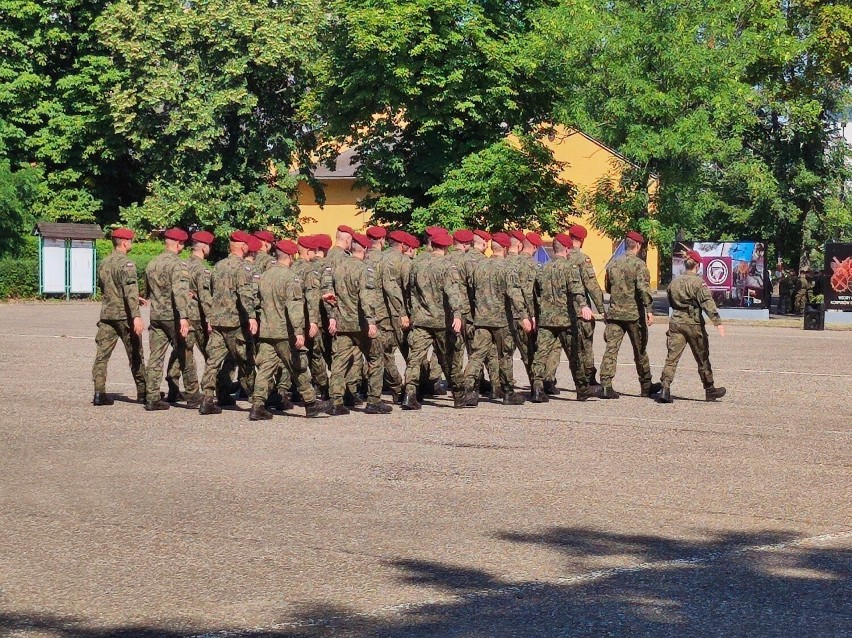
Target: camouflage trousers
[[550, 341], [486, 341], [273, 354], [491, 362], [677, 338], [197, 338], [614, 333], [109, 332], [525, 342], [349, 350], [161, 335], [227, 342], [443, 343], [585, 342], [390, 343]]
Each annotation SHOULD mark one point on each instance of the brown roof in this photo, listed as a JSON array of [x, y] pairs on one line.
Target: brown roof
[[69, 231], [344, 167]]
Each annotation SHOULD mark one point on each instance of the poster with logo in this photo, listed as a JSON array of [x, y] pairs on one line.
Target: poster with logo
[[735, 272], [838, 277]]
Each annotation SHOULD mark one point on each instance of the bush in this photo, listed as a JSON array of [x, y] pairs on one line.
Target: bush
[[18, 278]]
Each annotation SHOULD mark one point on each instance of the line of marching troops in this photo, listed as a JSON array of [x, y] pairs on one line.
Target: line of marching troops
[[321, 321]]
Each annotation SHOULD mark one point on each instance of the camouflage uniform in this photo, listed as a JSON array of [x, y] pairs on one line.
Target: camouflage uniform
[[119, 307], [495, 299], [560, 293], [525, 271], [435, 303], [474, 258], [335, 257], [354, 285], [197, 273], [263, 261], [168, 295], [282, 318], [785, 294], [396, 274], [629, 284], [309, 272], [803, 289], [234, 304], [387, 333], [688, 296], [593, 296]]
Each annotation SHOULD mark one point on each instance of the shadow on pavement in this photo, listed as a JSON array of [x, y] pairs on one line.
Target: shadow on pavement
[[734, 584]]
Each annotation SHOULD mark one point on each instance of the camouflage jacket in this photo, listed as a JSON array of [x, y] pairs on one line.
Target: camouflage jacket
[[355, 288], [435, 298], [594, 294], [263, 261], [198, 274], [256, 272], [119, 288], [333, 259], [463, 269], [309, 276], [168, 291], [474, 258], [628, 283], [495, 293], [688, 296], [234, 301], [376, 259], [396, 272], [282, 306], [559, 292], [525, 273]]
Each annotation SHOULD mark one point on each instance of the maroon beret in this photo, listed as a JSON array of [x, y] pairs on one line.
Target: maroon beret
[[635, 237], [483, 233], [343, 228], [534, 239], [411, 241], [253, 243], [435, 230], [177, 234], [442, 240], [203, 237], [362, 240], [287, 247], [463, 236], [564, 239], [323, 242], [397, 236], [376, 232], [502, 239], [122, 233], [240, 236], [694, 256], [578, 232], [265, 235], [308, 241], [517, 234]]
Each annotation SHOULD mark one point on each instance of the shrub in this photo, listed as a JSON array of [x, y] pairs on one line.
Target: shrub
[[18, 278]]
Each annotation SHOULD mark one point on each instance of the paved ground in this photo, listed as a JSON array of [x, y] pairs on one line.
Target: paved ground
[[618, 518]]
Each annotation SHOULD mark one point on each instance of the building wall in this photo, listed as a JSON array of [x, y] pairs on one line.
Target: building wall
[[340, 207]]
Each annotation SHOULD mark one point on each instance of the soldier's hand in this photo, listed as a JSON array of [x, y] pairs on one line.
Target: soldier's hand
[[457, 325], [209, 327], [300, 341], [534, 324], [332, 327], [143, 301], [253, 326], [649, 317], [586, 313], [184, 327], [372, 331], [405, 322], [721, 330], [313, 330], [526, 324], [138, 326]]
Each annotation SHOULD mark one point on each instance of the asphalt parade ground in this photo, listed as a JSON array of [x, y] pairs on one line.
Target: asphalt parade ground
[[604, 518]]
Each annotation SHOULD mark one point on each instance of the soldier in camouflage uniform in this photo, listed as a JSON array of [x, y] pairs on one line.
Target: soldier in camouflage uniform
[[688, 296], [396, 273], [435, 314], [562, 306], [376, 257], [461, 261], [593, 294], [319, 354], [803, 290], [353, 325], [263, 260], [197, 273], [306, 269], [496, 302], [525, 271], [233, 321], [119, 318], [281, 338], [628, 283], [168, 295]]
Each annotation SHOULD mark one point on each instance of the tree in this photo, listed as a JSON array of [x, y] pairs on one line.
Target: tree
[[211, 100], [19, 190]]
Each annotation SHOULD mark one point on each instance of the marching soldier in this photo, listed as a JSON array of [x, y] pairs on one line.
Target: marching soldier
[[630, 303], [281, 337], [803, 287], [307, 270], [459, 256], [120, 317], [352, 323], [688, 297], [377, 257], [494, 291], [435, 311], [525, 272], [169, 298], [593, 294], [395, 282], [263, 260], [233, 321], [562, 305]]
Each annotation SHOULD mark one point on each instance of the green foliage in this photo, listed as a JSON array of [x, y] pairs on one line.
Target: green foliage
[[18, 278], [18, 191], [504, 185]]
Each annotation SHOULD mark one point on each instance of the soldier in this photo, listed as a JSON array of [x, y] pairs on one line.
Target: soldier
[[481, 238], [307, 270], [263, 260], [376, 256], [628, 283], [352, 323], [281, 338], [462, 242], [525, 272], [169, 298], [119, 318], [233, 321], [395, 282], [803, 289], [197, 273], [562, 305], [688, 296], [495, 299], [323, 346], [593, 294], [785, 292], [435, 311]]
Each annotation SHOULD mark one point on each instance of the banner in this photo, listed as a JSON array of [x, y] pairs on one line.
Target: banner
[[838, 274], [735, 272]]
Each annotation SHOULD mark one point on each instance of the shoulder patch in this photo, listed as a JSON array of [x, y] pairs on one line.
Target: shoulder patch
[[248, 268], [206, 271], [255, 276], [129, 264]]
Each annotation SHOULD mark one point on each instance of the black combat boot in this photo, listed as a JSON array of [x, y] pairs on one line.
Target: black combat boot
[[226, 400], [259, 413], [316, 408], [153, 406], [351, 400], [510, 397], [606, 392], [436, 389], [665, 395], [208, 406], [396, 396], [711, 394], [378, 408], [409, 401], [586, 393], [193, 400], [337, 410], [651, 390], [485, 386], [539, 395], [322, 393], [102, 398], [497, 393], [141, 396], [550, 388], [470, 398], [173, 395]]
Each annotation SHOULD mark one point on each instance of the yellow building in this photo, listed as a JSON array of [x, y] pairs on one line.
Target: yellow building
[[586, 162]]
